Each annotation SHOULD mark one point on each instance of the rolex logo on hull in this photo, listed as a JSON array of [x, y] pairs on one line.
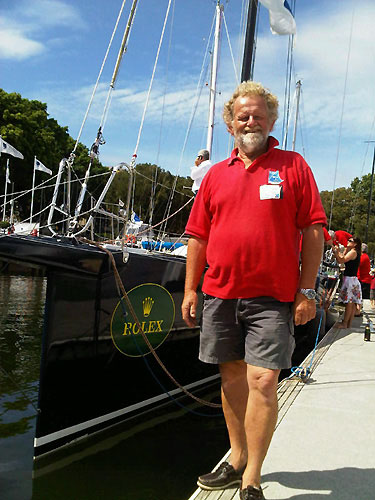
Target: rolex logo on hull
[[148, 302], [147, 327], [154, 311]]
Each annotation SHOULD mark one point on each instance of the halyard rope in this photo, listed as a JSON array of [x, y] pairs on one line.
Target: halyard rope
[[99, 76]]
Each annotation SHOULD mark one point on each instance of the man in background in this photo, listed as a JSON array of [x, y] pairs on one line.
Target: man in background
[[202, 166], [335, 238], [364, 276]]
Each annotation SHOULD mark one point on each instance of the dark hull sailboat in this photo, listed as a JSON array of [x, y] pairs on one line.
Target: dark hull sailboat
[[87, 382]]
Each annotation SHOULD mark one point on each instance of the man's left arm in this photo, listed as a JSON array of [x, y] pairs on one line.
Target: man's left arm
[[304, 309]]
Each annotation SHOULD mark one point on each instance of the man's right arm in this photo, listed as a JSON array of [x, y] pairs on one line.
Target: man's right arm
[[195, 264]]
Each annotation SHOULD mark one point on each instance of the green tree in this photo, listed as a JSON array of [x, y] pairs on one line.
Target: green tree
[[350, 209], [26, 125], [341, 208]]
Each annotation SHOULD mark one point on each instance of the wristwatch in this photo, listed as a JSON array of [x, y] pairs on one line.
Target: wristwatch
[[309, 293]]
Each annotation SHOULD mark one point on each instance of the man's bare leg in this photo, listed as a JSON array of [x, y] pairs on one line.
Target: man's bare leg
[[260, 420], [234, 393]]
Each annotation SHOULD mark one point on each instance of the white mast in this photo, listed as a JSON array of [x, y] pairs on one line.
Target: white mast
[[298, 93], [32, 193], [6, 188], [215, 63]]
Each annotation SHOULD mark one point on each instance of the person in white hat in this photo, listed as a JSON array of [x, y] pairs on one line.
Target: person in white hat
[[202, 166]]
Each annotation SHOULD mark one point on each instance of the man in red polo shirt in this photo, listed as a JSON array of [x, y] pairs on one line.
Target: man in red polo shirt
[[245, 224], [336, 237], [363, 274]]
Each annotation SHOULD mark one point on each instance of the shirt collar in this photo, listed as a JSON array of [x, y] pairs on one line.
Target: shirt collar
[[272, 143]]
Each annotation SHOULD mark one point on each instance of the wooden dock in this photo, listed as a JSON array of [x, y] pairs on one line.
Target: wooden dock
[[324, 443]]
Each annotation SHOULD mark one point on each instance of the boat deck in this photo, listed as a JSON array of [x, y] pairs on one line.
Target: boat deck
[[324, 444]]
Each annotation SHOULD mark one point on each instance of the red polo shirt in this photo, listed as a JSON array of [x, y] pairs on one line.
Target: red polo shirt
[[364, 269], [252, 220], [342, 237]]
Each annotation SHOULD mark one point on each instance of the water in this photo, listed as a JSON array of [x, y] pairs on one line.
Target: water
[[159, 459], [21, 310]]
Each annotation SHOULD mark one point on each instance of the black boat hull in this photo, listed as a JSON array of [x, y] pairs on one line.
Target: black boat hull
[[86, 383]]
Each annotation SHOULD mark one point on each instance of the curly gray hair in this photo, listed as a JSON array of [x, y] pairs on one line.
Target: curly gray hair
[[250, 88]]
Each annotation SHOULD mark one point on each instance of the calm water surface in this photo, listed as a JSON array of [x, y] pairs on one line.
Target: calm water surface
[[158, 460]]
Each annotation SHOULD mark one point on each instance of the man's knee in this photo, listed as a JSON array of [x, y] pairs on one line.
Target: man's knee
[[262, 379], [232, 372]]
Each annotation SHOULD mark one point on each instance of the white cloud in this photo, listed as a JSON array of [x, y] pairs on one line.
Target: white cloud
[[24, 31], [50, 13], [16, 45]]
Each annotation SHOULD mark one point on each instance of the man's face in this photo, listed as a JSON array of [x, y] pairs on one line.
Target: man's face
[[198, 160], [251, 125]]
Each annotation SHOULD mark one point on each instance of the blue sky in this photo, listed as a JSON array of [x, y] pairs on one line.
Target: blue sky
[[52, 50]]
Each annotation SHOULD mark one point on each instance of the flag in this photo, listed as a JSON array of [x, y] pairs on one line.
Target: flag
[[38, 165], [10, 150], [281, 18], [135, 218], [7, 179]]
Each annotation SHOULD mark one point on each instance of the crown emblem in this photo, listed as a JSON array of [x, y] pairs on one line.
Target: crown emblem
[[148, 302]]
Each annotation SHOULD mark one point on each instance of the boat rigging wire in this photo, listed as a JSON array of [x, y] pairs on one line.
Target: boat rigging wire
[[301, 120], [289, 117], [40, 186], [132, 163], [230, 50], [303, 372], [341, 117], [198, 93], [167, 218], [123, 49], [155, 173], [357, 192], [133, 160], [94, 151], [99, 76], [288, 81]]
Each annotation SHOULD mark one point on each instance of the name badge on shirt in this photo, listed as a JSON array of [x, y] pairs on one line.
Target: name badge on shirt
[[270, 192]]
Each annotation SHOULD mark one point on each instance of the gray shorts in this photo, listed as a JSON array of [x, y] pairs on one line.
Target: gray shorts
[[258, 331]]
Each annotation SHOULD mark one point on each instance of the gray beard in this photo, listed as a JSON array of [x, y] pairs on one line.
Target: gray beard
[[251, 141]]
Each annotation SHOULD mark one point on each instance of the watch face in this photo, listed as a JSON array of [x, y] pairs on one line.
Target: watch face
[[309, 293]]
